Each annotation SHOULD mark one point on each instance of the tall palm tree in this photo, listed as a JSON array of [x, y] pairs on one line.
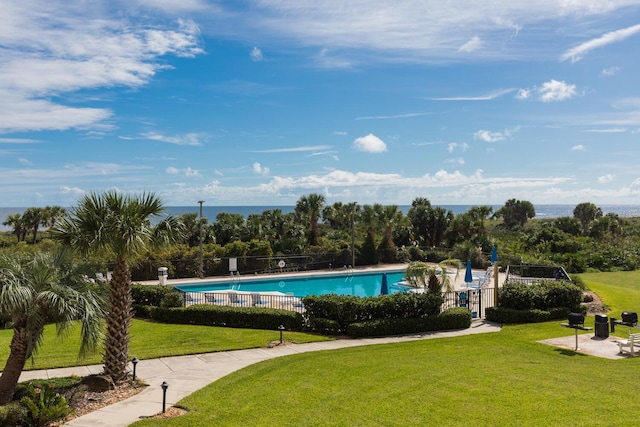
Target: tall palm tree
[[120, 226], [17, 223], [308, 208], [38, 290]]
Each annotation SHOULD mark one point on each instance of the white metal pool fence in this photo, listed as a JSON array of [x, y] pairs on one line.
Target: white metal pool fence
[[476, 300]]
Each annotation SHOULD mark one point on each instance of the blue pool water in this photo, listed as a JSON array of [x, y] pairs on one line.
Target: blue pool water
[[358, 284]]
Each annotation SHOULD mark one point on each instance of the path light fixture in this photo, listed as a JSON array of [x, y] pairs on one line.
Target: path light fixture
[[281, 328], [134, 361], [165, 386]]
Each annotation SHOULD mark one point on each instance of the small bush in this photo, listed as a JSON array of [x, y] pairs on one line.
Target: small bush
[[324, 326], [156, 296], [44, 406], [454, 318], [232, 317], [13, 414]]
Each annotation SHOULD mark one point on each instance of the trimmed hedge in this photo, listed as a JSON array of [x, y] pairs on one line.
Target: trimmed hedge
[[232, 317], [454, 318], [156, 295], [511, 315], [345, 309], [543, 295]]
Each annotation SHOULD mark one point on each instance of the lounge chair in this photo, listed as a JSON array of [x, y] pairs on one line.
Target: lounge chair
[[256, 299], [234, 299], [213, 298]]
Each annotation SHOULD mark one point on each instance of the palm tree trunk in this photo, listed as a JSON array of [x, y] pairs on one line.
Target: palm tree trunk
[[14, 366], [116, 355]]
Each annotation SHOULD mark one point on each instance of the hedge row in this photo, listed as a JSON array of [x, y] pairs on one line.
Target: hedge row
[[339, 311], [544, 295], [454, 318], [233, 317], [511, 315], [157, 296]]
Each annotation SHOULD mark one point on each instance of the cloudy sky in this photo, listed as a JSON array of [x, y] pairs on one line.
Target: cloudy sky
[[259, 102]]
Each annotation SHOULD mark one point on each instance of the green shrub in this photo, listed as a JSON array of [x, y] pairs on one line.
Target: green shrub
[[543, 295], [454, 318], [232, 317], [13, 414], [347, 309], [44, 406], [157, 296], [324, 326]]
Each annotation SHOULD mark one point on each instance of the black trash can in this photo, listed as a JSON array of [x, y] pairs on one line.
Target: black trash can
[[601, 326]]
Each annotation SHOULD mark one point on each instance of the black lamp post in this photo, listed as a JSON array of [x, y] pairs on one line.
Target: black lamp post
[[281, 328], [134, 361], [165, 386]]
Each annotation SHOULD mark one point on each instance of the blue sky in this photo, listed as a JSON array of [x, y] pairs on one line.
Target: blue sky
[[262, 102]]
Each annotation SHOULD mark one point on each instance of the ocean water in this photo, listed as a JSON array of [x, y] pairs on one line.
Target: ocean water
[[210, 212]]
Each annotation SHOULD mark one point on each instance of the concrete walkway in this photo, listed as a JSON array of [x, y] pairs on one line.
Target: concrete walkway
[[186, 374]]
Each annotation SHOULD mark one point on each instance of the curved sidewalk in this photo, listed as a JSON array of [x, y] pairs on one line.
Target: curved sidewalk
[[186, 374]]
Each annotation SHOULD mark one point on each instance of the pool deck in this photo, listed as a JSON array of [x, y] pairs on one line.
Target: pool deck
[[458, 282]]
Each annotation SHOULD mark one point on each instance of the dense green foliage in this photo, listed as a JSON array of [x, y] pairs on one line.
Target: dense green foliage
[[454, 318], [316, 236], [232, 317], [535, 302], [334, 313]]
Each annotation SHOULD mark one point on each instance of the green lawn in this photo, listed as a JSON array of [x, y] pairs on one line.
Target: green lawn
[[496, 379], [152, 340], [502, 379], [619, 291]]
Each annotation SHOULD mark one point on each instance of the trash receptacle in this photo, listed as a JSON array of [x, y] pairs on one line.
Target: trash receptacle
[[163, 274], [601, 326]]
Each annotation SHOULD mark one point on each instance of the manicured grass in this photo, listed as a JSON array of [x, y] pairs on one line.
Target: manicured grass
[[619, 291], [497, 379], [152, 340], [504, 378]]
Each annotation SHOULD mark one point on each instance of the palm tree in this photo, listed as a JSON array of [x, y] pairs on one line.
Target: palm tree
[[308, 208], [35, 291], [17, 223], [430, 277], [118, 225]]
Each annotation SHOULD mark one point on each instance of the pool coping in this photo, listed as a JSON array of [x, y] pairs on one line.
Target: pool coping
[[249, 277]]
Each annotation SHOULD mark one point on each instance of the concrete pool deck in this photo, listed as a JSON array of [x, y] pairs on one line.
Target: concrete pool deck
[[186, 374], [458, 282]]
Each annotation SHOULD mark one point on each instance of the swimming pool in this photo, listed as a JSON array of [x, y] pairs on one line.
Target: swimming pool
[[358, 284]]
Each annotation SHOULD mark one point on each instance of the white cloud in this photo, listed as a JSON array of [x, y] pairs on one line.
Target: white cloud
[[550, 91], [578, 147], [472, 45], [452, 146], [51, 49], [188, 172], [294, 149], [194, 139], [605, 179], [555, 90], [340, 133], [259, 169], [611, 71], [611, 130], [412, 31], [488, 97], [256, 55], [25, 161], [576, 53], [370, 144], [487, 136]]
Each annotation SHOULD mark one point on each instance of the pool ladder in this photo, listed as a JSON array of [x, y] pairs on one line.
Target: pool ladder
[[348, 272]]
